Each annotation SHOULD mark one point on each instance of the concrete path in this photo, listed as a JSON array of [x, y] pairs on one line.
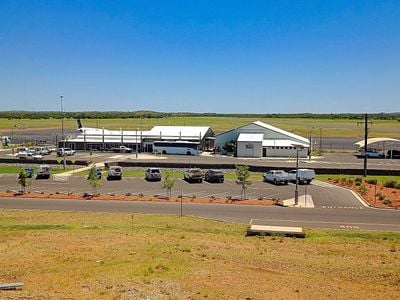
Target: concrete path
[[303, 202]]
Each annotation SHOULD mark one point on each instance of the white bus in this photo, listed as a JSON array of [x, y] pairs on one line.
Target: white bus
[[176, 147]]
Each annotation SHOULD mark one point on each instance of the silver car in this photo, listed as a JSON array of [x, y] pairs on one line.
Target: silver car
[[153, 174], [276, 177]]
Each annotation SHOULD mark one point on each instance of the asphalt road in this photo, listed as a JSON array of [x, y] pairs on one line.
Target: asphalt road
[[323, 194], [365, 219]]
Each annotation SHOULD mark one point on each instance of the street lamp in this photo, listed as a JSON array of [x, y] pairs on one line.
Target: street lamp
[[298, 147], [137, 129], [62, 130]]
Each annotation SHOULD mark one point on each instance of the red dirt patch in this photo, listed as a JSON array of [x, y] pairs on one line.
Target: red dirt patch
[[376, 196], [72, 196]]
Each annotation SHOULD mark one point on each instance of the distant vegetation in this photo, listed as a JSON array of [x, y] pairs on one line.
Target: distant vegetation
[[153, 114]]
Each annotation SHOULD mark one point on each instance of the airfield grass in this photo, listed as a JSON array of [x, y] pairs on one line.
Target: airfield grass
[[124, 256], [301, 126]]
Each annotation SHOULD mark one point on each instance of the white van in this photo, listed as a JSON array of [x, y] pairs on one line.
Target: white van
[[304, 176]]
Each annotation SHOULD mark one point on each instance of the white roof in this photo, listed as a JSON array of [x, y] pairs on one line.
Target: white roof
[[282, 143], [250, 137], [281, 131], [375, 140], [179, 131]]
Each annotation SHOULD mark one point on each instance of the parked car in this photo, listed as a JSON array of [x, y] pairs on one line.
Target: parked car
[[370, 153], [29, 172], [37, 156], [43, 171], [393, 154], [214, 176], [97, 173], [193, 175], [304, 176], [122, 149], [276, 177], [65, 151], [41, 150], [153, 174], [24, 154], [114, 172]]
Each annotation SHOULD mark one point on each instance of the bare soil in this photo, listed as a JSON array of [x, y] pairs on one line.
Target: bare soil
[[375, 195], [73, 196]]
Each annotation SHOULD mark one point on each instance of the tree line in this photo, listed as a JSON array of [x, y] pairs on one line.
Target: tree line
[[153, 114]]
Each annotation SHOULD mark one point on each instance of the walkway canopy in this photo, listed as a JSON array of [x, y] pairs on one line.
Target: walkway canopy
[[379, 143]]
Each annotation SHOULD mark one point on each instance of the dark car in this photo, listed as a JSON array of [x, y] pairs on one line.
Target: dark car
[[29, 172], [393, 154], [214, 176], [97, 173]]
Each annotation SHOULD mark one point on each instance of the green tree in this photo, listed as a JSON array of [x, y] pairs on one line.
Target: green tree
[[93, 179], [23, 180], [168, 183], [229, 146], [243, 174]]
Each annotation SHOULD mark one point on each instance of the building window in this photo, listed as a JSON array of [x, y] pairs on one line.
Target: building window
[[249, 146]]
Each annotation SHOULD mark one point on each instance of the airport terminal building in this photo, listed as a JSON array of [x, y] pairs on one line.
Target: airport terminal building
[[90, 139], [255, 139], [258, 139]]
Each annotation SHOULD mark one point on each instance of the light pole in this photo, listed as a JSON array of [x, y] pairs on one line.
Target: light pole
[[296, 191], [137, 129], [62, 130]]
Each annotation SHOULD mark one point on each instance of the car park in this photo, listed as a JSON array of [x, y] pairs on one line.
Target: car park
[[212, 175], [193, 175], [24, 154], [153, 174], [41, 150], [43, 172], [276, 177], [37, 156], [114, 172], [304, 176]]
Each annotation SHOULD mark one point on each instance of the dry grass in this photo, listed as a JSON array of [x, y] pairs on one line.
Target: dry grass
[[122, 256]]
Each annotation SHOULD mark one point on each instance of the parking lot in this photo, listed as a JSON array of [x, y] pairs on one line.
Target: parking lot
[[323, 195]]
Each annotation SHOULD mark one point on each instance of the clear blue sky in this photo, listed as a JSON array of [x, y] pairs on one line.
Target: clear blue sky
[[201, 56]]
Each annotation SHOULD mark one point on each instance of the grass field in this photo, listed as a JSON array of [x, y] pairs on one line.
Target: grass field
[[302, 126], [123, 256], [380, 179], [6, 169]]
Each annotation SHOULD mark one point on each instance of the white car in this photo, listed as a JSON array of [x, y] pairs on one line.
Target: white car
[[371, 153], [65, 151], [305, 176], [276, 177]]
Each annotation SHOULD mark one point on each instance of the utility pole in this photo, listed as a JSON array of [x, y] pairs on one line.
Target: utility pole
[[366, 128], [62, 131]]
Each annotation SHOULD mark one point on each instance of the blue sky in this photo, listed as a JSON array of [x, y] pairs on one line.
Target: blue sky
[[201, 56]]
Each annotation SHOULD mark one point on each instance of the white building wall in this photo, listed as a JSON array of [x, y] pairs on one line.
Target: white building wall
[[249, 149], [220, 140], [282, 152]]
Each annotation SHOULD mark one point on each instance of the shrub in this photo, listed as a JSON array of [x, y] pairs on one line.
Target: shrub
[[358, 179], [350, 181], [372, 181], [397, 186], [390, 184], [380, 196], [387, 202], [343, 180], [362, 189]]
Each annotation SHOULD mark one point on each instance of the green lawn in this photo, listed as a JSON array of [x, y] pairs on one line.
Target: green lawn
[[380, 179], [4, 169], [302, 126]]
